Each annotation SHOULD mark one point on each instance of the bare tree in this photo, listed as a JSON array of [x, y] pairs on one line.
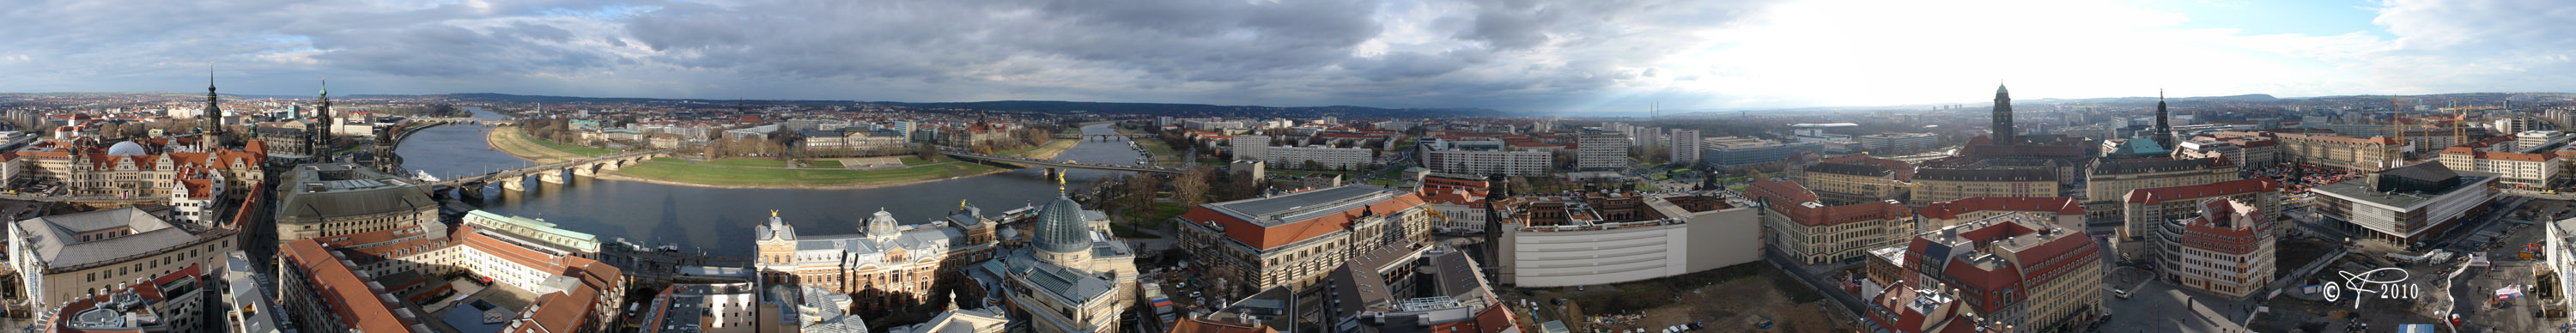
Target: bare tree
[[1191, 187]]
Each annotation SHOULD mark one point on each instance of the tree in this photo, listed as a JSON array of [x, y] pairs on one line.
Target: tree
[[1190, 188], [1313, 165], [926, 151], [1140, 190]]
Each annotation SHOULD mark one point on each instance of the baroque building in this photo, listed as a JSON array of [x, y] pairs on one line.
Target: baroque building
[[887, 264]]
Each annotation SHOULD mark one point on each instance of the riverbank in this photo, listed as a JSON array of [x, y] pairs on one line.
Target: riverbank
[[735, 173]]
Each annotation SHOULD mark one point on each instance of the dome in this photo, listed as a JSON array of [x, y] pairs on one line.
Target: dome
[[777, 229], [1060, 227], [128, 148], [881, 225]]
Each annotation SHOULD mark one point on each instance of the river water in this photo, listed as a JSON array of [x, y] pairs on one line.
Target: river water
[[720, 220]]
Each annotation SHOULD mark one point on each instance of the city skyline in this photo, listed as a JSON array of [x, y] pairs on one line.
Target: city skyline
[[1534, 57]]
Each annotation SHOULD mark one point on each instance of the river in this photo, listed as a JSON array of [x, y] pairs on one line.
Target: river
[[720, 220]]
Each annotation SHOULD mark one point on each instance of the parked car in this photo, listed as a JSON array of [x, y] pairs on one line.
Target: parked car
[[2122, 294]]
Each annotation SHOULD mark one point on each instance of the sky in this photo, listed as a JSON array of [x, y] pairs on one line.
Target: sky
[[1517, 55]]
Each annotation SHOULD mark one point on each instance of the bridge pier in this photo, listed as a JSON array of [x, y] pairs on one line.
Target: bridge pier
[[552, 176], [515, 184], [585, 170], [471, 192]]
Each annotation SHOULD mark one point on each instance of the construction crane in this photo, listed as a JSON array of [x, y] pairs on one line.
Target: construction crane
[[2395, 131]]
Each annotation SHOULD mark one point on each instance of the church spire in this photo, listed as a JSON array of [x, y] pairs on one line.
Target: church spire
[[214, 111]]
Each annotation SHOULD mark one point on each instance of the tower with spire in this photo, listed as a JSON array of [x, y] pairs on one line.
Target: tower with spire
[[213, 114], [2003, 116], [321, 133], [2164, 128]]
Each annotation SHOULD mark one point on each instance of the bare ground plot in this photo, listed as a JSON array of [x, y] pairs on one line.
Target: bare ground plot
[[1730, 299], [2299, 252]]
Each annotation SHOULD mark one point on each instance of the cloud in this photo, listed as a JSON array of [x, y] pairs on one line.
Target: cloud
[[1532, 55]]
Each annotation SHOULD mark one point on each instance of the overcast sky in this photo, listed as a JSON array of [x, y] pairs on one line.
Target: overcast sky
[[1522, 55]]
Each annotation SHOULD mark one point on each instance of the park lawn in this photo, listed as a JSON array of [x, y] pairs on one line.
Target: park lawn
[[748, 162], [823, 164], [1161, 213], [585, 151], [914, 160], [720, 175]]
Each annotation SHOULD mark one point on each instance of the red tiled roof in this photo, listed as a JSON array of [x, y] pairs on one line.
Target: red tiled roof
[[1791, 200], [1953, 208], [1292, 232], [338, 284]]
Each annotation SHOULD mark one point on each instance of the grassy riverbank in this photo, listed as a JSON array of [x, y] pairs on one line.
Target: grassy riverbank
[[742, 172], [747, 173]]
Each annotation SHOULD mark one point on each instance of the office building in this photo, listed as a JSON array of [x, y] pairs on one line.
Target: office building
[[1727, 152], [1899, 142], [2408, 204], [1484, 157]]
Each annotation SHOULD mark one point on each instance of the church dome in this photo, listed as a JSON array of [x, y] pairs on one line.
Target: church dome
[[128, 148], [1060, 227]]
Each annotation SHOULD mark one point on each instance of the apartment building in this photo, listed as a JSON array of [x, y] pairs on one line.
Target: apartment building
[[2012, 269], [1600, 150], [2227, 250], [2511, 167], [2147, 207], [1484, 157], [1803, 228]]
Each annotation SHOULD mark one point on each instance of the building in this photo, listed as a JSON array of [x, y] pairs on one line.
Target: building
[[285, 141], [2003, 118], [1856, 180], [1599, 150], [701, 308], [1323, 157], [2512, 167], [2062, 212], [2145, 208], [1899, 142], [1072, 277], [167, 303], [1683, 145], [2227, 250], [2362, 154], [1936, 185], [1590, 238], [63, 257], [1485, 157], [2406, 204], [319, 200], [1906, 308], [1458, 202], [1408, 289], [2011, 270], [2111, 180], [373, 281], [985, 320], [888, 263], [1739, 151], [1802, 228], [1294, 240], [132, 169], [2246, 151], [249, 306]]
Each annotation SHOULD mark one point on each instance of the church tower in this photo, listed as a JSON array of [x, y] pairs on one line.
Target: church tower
[[321, 132], [213, 114], [2004, 130], [2164, 128]]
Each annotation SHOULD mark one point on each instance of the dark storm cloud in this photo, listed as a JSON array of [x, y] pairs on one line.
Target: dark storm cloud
[[1506, 54]]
